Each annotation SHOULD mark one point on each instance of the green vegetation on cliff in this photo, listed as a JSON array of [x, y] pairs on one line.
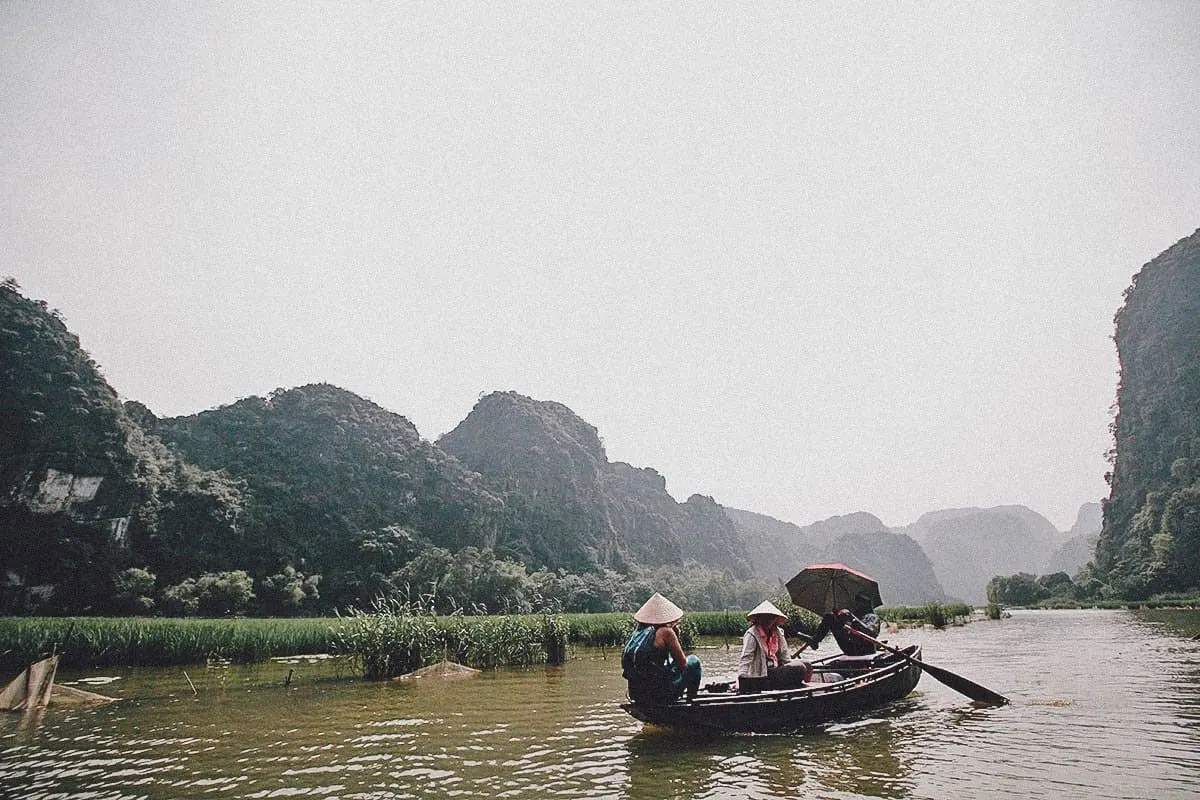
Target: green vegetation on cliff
[[1150, 542], [338, 487], [85, 493]]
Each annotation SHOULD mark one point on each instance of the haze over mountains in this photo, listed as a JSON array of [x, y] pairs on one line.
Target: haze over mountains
[[969, 547]]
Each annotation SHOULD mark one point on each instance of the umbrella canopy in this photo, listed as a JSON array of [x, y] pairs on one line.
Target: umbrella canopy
[[826, 587]]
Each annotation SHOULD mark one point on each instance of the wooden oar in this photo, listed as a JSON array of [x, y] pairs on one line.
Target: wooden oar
[[956, 682], [807, 641]]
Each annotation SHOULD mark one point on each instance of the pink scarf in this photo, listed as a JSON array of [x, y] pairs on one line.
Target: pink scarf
[[770, 643]]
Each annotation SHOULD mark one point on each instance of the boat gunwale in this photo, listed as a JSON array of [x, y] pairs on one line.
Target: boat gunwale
[[693, 713], [885, 671]]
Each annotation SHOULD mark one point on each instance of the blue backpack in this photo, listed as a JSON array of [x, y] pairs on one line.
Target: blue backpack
[[645, 667]]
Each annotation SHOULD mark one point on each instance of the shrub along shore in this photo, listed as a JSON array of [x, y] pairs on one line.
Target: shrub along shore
[[390, 640]]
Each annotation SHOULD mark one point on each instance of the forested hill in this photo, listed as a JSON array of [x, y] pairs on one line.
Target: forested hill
[[1150, 542], [570, 508], [81, 484], [313, 498], [338, 485]]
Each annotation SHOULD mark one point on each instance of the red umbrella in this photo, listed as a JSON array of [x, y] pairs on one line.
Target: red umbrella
[[826, 587]]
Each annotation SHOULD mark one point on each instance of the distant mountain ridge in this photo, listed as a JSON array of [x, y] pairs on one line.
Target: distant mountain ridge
[[969, 546], [946, 554], [905, 574], [861, 540], [1080, 546], [326, 499]]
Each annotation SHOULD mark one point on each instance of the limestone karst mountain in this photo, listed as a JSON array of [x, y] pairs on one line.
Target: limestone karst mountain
[[82, 486], [1150, 542], [1080, 546], [578, 510], [318, 482], [780, 549], [969, 546]]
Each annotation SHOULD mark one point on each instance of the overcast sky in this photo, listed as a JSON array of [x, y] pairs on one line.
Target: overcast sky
[[807, 259]]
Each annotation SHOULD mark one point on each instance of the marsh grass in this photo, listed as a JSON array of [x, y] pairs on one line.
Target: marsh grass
[[614, 629], [937, 614], [395, 638], [718, 623], [138, 641], [389, 640], [599, 630]]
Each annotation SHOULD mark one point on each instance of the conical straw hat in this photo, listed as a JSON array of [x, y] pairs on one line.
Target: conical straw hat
[[766, 607], [658, 610]]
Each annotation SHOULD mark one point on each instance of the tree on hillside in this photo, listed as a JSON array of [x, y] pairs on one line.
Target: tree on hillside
[[1021, 589]]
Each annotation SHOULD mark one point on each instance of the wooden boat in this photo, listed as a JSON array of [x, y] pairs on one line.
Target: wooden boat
[[35, 688], [842, 686]]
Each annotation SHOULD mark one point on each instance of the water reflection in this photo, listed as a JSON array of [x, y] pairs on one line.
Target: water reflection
[[1116, 714], [858, 758], [661, 764]]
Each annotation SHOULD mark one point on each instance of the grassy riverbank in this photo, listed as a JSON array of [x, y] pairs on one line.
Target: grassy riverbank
[[379, 642], [139, 641], [1162, 602], [382, 642], [1184, 621]]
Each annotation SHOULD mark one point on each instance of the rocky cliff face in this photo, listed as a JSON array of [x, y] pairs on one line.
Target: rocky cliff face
[[83, 490], [574, 509], [63, 438], [1150, 542]]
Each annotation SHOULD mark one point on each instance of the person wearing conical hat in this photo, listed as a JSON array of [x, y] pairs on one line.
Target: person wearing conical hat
[[653, 662], [764, 661]]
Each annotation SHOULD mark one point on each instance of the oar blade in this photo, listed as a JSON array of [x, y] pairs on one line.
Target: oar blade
[[958, 683]]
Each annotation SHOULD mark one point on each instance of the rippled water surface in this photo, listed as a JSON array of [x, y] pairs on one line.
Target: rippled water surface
[[1104, 706]]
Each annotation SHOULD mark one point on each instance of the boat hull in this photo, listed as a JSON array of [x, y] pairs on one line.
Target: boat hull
[[887, 679]]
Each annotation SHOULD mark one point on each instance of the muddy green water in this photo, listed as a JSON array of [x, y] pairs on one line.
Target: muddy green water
[[1104, 706]]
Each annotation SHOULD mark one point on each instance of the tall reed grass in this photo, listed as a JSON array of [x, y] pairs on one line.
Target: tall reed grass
[[599, 630], [389, 640], [937, 614], [395, 638], [138, 641]]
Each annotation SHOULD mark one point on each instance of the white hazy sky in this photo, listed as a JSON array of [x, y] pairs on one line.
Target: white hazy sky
[[807, 259]]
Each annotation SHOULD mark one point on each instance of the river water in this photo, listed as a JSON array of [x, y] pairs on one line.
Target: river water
[[1103, 706]]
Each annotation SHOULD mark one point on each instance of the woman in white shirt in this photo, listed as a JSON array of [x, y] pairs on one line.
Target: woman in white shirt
[[764, 661]]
